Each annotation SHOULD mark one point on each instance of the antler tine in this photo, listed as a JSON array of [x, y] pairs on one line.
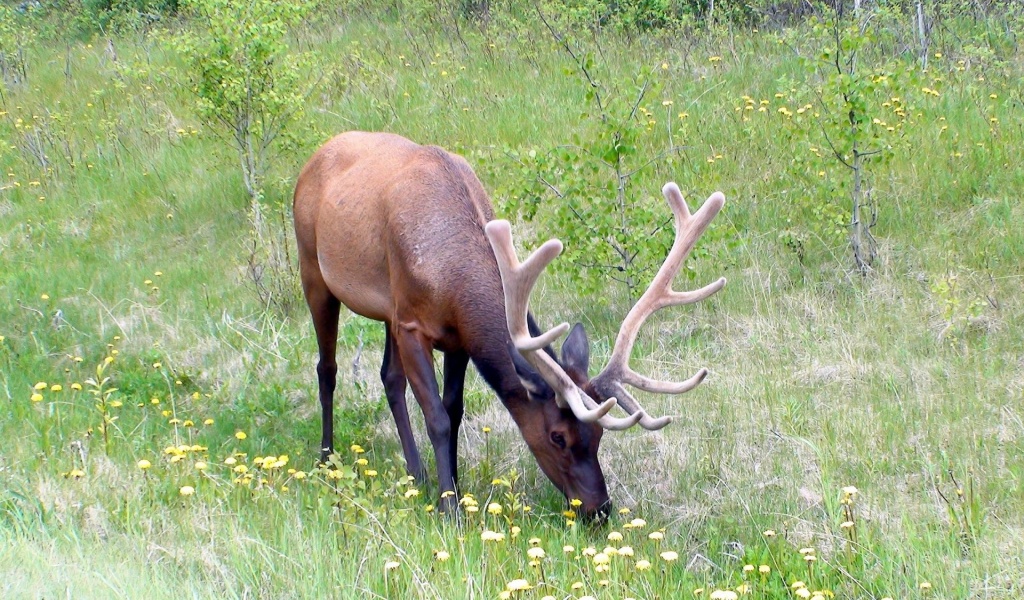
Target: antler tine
[[658, 295], [517, 281]]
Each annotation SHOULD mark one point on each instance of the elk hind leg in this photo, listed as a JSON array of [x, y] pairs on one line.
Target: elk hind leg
[[325, 309]]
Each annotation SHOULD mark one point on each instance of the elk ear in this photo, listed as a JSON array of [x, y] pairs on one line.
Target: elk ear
[[576, 351], [536, 387]]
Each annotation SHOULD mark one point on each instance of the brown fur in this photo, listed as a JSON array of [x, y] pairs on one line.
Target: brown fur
[[394, 231]]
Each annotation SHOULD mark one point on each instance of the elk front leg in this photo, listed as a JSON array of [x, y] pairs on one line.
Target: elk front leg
[[392, 374], [416, 353], [455, 364]]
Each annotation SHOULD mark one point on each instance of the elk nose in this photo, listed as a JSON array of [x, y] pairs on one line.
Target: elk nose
[[599, 515]]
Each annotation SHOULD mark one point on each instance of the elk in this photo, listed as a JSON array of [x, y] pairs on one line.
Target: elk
[[405, 234]]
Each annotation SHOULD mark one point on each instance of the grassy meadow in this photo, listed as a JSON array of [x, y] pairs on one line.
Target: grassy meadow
[[858, 437]]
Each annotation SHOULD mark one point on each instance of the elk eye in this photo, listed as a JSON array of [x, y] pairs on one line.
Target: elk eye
[[558, 439]]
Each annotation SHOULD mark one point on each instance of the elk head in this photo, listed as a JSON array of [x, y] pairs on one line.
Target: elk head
[[576, 407]]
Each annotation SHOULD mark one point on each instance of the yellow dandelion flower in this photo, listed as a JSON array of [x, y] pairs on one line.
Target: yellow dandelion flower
[[187, 490], [370, 472], [391, 565], [200, 466], [723, 595], [37, 397], [208, 422], [601, 559], [40, 386], [240, 435], [441, 555], [764, 569], [518, 585], [575, 503], [925, 586], [492, 536], [56, 387], [802, 593], [536, 553], [615, 536], [589, 551], [144, 464], [567, 549], [577, 585], [769, 533], [656, 535], [626, 551], [494, 508], [412, 493], [76, 386], [669, 556], [643, 564]]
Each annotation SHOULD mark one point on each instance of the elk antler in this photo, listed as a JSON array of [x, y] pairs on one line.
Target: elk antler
[[517, 281], [659, 295]]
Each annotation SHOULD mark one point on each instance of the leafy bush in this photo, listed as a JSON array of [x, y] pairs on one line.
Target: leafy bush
[[249, 87], [17, 32]]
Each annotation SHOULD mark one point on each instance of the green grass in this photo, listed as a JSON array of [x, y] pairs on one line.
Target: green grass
[[904, 384]]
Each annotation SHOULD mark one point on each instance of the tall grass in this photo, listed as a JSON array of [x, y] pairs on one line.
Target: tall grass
[[125, 233]]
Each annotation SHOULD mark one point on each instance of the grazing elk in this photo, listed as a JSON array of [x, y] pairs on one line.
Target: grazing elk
[[403, 233]]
